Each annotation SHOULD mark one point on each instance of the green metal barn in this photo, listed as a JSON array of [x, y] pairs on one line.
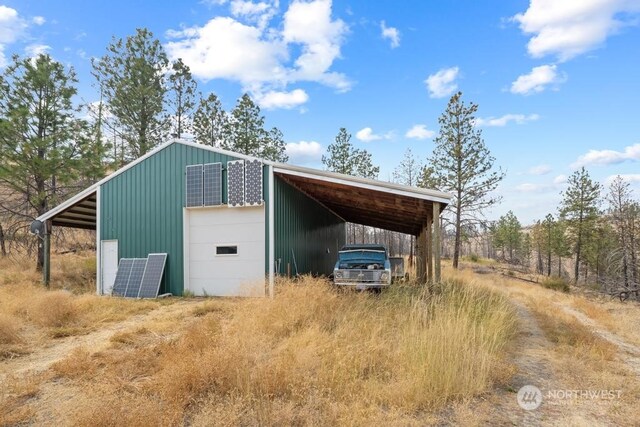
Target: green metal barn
[[230, 223]]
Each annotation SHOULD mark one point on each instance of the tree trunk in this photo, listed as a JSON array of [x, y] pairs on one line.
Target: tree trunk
[[456, 243], [559, 266], [3, 248]]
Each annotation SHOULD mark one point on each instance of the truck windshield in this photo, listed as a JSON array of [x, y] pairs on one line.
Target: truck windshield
[[362, 259]]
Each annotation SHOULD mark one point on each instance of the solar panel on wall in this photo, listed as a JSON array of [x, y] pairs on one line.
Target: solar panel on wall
[[253, 183], [152, 276], [213, 184], [194, 186], [135, 278], [235, 182], [122, 276]]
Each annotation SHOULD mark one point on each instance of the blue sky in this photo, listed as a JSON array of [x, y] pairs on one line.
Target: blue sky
[[557, 82]]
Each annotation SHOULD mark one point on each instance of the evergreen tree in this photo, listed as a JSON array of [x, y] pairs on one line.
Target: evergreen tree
[[245, 128], [408, 171], [131, 75], [210, 122], [579, 208], [45, 149], [183, 91], [462, 164], [274, 147], [507, 234], [343, 157]]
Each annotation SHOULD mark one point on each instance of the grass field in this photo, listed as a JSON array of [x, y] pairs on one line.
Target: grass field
[[311, 356]]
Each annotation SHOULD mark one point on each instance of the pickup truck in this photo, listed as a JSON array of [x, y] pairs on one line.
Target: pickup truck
[[363, 267]]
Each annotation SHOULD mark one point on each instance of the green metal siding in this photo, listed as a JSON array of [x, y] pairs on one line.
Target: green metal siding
[[306, 227], [142, 207]]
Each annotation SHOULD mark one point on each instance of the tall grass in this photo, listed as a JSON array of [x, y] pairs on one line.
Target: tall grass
[[310, 356]]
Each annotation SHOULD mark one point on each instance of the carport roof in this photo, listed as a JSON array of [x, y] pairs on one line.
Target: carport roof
[[363, 201]]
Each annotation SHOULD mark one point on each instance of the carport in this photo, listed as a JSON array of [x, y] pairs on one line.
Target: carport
[[385, 205]]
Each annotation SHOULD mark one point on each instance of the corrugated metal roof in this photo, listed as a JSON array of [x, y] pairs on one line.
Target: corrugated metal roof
[[280, 168]]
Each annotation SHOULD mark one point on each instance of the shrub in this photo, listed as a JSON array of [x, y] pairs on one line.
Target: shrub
[[556, 283]]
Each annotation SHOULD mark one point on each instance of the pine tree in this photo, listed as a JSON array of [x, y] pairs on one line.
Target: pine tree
[[274, 147], [131, 75], [507, 234], [343, 157], [339, 156], [210, 122], [183, 91], [579, 208], [45, 149], [462, 164]]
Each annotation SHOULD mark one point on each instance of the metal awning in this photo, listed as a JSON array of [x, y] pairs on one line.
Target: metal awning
[[77, 212], [363, 201]]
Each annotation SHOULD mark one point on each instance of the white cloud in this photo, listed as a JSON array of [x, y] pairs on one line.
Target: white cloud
[[571, 27], [531, 188], [442, 83], [12, 27], [367, 135], [227, 49], [608, 157], [504, 120], [390, 33], [34, 50], [419, 132], [304, 151], [537, 80], [560, 179], [540, 170], [275, 99], [309, 25], [265, 58], [38, 20]]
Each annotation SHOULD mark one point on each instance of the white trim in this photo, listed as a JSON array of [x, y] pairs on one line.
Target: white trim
[[369, 184], [272, 244], [98, 246], [185, 250]]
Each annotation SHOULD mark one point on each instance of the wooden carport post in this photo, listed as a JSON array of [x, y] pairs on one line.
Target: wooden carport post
[[436, 241], [429, 245], [420, 256]]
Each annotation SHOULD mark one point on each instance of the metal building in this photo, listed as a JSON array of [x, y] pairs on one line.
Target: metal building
[[230, 223]]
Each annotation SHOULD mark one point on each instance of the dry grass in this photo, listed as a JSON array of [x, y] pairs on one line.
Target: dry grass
[[31, 315], [310, 356], [570, 335]]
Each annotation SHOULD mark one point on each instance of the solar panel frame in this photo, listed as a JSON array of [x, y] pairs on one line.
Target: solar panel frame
[[194, 186], [122, 277], [135, 277], [212, 177], [253, 183], [152, 277], [235, 183]]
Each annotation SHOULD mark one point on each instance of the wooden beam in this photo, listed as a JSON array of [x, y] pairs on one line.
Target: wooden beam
[[436, 242], [429, 248]]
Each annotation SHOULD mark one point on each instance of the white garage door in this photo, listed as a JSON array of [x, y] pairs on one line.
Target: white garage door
[[226, 251]]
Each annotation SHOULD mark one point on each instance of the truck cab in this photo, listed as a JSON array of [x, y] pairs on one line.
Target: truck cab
[[363, 266]]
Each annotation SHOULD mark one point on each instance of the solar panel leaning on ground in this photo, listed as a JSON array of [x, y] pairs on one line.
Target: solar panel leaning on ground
[[253, 183], [213, 184], [122, 277], [194, 186], [150, 285], [135, 278], [235, 182]]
